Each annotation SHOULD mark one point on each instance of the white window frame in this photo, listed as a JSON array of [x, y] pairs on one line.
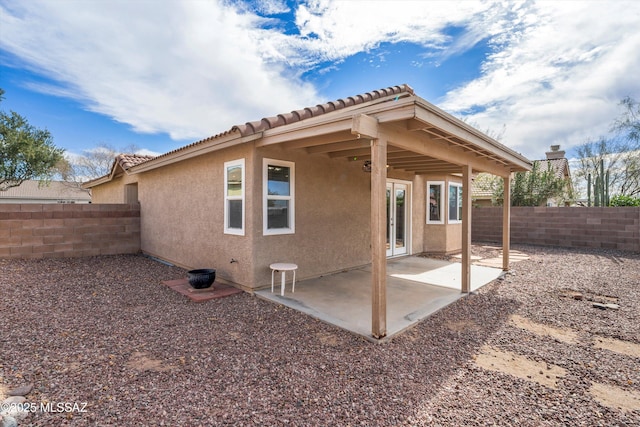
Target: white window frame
[[458, 219], [442, 204], [266, 197], [227, 198]]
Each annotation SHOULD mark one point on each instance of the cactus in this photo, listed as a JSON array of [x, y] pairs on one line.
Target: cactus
[[600, 187]]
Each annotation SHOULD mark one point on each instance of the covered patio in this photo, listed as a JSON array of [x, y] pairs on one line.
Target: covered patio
[[416, 287], [396, 132]]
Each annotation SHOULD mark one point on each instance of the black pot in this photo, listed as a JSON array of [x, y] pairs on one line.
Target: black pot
[[202, 278]]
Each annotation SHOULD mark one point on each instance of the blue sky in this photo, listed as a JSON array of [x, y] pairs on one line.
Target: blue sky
[[161, 74]]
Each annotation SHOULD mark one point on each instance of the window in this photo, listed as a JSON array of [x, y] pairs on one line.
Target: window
[[435, 194], [278, 197], [234, 197], [455, 203]]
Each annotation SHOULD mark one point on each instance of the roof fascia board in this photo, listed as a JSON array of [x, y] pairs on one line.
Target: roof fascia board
[[333, 121], [432, 115], [440, 150], [97, 181], [196, 150]]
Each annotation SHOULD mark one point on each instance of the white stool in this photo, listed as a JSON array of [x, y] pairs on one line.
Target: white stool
[[283, 268]]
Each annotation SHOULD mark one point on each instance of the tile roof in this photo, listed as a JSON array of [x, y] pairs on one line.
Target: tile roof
[[52, 190], [558, 166], [266, 123], [483, 185], [127, 161]]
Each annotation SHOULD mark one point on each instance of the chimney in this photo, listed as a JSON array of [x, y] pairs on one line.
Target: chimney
[[555, 153]]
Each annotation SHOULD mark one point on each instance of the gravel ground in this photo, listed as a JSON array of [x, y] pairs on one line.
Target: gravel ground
[[102, 330]]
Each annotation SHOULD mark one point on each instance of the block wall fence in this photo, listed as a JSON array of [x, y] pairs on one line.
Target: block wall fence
[[574, 227], [68, 230]]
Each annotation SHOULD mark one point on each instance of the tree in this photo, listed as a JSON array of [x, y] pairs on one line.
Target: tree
[[619, 154], [90, 164], [628, 124], [25, 151], [533, 188]]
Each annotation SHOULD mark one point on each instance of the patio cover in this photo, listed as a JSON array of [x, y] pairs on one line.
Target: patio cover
[[390, 127]]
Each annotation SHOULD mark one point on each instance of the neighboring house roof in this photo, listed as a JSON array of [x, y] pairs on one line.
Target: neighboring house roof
[[483, 185], [560, 167], [33, 191], [122, 162], [336, 123]]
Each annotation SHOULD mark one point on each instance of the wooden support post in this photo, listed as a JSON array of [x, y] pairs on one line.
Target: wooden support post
[[378, 237], [466, 228], [506, 223]]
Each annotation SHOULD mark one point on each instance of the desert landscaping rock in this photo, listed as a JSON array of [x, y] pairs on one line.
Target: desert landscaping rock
[[20, 391], [104, 332], [8, 421]]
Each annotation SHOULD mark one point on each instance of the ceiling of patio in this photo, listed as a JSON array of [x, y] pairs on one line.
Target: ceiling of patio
[[344, 144]]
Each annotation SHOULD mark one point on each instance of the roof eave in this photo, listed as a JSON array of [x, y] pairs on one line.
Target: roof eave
[[439, 118], [208, 145]]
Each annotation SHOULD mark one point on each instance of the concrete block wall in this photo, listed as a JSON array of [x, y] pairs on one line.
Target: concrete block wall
[[577, 227], [68, 230]]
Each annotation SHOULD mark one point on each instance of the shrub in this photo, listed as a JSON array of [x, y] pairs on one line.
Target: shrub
[[624, 201]]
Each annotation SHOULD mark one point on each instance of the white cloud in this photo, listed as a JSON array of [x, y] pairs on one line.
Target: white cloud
[[333, 30], [194, 68], [272, 7], [191, 69], [559, 79]]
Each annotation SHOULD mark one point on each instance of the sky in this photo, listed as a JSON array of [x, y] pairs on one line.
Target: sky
[[160, 74]]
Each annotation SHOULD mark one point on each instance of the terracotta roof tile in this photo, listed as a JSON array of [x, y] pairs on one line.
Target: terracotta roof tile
[[253, 127], [127, 161], [558, 166], [483, 185], [266, 123]]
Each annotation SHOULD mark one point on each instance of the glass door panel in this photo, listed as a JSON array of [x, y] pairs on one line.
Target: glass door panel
[[397, 217]]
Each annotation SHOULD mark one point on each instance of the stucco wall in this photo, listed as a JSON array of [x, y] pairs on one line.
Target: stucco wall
[[332, 226], [113, 191], [182, 216], [441, 238]]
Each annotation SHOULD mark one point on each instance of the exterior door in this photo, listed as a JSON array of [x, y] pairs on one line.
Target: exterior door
[[397, 218]]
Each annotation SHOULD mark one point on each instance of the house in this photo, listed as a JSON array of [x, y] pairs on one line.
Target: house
[[484, 184], [34, 191], [330, 187], [558, 163]]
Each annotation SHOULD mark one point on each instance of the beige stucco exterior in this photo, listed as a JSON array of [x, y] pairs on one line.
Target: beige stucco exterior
[[182, 208], [343, 154], [113, 191]]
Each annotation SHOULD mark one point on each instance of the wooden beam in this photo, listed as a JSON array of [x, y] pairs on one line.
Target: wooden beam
[[428, 113], [416, 160], [506, 223], [422, 144], [339, 146], [378, 238], [466, 228], [394, 153], [356, 153], [364, 126], [341, 136]]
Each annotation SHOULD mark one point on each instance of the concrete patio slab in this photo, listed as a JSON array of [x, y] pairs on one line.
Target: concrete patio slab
[[416, 288]]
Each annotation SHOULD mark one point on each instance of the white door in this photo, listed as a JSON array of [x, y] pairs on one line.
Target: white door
[[398, 222]]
